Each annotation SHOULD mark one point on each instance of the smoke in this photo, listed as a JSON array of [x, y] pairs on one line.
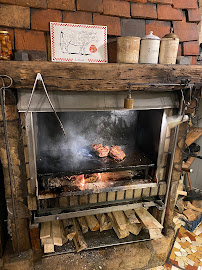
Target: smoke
[[59, 153]]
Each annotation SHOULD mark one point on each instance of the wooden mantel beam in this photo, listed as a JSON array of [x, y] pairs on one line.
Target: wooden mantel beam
[[98, 77]]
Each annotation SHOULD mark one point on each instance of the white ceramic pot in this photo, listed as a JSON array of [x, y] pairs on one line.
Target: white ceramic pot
[[149, 50]]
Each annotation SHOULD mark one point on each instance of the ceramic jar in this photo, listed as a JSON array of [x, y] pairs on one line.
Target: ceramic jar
[[169, 48], [149, 50], [128, 49]]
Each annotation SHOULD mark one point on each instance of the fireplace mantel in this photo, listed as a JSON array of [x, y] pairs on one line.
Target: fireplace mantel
[[98, 77]]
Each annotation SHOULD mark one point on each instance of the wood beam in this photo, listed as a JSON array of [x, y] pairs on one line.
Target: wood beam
[[98, 77]]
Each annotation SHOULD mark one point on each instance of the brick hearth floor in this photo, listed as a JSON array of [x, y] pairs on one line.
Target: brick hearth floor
[[186, 252]]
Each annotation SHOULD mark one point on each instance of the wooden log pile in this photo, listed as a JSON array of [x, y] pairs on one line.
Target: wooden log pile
[[57, 233]]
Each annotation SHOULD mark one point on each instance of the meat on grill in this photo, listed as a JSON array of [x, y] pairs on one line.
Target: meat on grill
[[101, 150], [116, 152]]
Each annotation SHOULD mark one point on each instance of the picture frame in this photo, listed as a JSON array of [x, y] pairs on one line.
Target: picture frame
[[78, 43]]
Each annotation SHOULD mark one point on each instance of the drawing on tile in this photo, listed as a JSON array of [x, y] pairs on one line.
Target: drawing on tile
[[78, 43]]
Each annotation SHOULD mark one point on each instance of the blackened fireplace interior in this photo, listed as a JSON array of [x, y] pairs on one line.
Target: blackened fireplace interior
[[137, 132]]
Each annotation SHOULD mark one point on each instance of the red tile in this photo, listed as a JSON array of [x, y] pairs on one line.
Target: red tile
[[189, 267]]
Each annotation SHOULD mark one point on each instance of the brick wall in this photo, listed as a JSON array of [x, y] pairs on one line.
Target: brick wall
[[28, 21]]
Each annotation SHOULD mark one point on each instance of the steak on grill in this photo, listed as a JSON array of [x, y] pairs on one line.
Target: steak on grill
[[101, 150], [116, 152]]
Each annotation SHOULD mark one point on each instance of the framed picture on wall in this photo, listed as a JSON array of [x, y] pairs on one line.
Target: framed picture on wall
[[78, 43]]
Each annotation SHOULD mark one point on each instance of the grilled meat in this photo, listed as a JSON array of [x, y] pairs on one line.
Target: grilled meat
[[116, 152], [101, 150]]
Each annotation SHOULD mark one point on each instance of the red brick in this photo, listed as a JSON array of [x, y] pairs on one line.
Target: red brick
[[32, 3], [77, 17], [113, 23], [11, 34], [62, 4], [117, 8], [144, 11], [186, 31], [167, 13], [179, 53], [194, 60], [90, 5], [40, 19], [194, 15], [14, 16], [169, 2], [30, 40], [191, 48], [159, 28], [137, 1], [185, 4]]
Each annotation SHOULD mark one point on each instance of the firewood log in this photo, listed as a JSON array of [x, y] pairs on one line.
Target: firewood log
[[78, 239], [93, 223], [120, 233], [105, 222], [120, 219], [83, 224], [69, 230], [130, 214]]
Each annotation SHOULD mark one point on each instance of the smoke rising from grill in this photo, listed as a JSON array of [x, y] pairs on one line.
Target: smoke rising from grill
[[56, 153]]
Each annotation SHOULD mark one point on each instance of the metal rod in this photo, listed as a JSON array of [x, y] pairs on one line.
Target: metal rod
[[10, 165], [59, 216], [172, 163]]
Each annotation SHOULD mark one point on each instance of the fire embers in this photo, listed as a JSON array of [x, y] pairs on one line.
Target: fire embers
[[115, 151]]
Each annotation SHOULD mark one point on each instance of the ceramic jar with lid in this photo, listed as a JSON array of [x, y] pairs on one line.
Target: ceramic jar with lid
[[149, 50], [128, 49], [169, 48], [5, 46]]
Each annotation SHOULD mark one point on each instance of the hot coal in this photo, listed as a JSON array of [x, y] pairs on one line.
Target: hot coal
[[116, 152]]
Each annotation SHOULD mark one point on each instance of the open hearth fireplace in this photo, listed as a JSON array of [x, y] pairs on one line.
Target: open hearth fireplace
[[109, 180]]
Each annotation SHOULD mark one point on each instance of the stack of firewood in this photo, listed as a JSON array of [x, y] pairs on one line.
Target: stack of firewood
[[57, 233]]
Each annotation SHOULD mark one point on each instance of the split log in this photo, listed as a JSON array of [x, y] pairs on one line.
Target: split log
[[93, 223], [57, 234], [130, 214], [83, 224], [45, 231], [188, 205], [48, 244], [147, 219], [120, 219], [155, 233], [78, 239], [69, 230], [191, 214], [150, 223], [120, 233], [135, 228], [105, 222]]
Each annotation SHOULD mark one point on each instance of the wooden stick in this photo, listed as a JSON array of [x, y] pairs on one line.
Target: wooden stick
[[130, 214], [147, 219], [93, 223], [56, 231], [155, 233], [120, 219], [105, 222], [69, 230], [78, 239], [189, 180], [135, 228], [120, 233], [83, 224], [45, 231]]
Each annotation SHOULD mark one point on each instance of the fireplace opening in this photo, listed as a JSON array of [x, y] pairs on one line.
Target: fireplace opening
[[69, 164]]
